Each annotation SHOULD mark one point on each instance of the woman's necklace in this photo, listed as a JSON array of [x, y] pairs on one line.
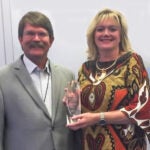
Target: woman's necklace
[[99, 76], [105, 69]]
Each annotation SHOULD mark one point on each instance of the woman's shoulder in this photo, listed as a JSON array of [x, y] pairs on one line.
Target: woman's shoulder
[[129, 56], [89, 64], [87, 67]]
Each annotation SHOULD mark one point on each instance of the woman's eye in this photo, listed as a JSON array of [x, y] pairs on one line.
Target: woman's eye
[[99, 29], [112, 29]]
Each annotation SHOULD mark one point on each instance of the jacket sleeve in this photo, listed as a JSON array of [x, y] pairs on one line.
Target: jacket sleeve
[[1, 120]]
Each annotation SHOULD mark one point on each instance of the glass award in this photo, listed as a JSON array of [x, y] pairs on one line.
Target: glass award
[[72, 101]]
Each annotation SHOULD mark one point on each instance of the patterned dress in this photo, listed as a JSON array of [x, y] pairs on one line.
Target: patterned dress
[[126, 87]]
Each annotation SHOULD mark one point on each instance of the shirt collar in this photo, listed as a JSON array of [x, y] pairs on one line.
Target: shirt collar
[[31, 66]]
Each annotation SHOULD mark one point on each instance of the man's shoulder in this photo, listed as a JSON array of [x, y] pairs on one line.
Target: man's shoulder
[[60, 68], [7, 68]]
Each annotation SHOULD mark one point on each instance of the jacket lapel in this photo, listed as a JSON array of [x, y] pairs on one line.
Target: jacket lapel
[[26, 81], [55, 90]]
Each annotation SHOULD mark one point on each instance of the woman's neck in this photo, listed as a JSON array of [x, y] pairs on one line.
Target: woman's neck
[[108, 56]]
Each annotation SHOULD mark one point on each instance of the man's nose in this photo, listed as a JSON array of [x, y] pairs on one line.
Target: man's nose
[[36, 37]]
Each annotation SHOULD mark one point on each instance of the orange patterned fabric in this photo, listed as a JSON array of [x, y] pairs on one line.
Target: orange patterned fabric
[[126, 88]]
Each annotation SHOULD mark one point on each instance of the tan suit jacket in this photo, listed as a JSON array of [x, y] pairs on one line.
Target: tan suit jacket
[[25, 123]]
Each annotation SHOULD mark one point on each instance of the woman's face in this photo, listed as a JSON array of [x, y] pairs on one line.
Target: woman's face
[[107, 35]]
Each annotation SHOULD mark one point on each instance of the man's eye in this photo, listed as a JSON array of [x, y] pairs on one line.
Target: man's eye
[[30, 33], [42, 34]]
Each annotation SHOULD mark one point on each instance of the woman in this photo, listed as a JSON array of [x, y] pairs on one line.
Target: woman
[[115, 89]]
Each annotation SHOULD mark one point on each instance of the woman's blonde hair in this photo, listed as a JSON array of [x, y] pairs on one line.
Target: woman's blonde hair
[[100, 16]]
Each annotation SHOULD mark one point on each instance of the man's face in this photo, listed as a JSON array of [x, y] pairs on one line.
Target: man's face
[[35, 42]]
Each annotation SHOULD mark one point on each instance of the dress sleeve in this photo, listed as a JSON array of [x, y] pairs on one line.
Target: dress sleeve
[[138, 85]]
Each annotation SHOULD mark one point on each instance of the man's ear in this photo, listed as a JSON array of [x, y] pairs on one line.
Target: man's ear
[[51, 39], [20, 39]]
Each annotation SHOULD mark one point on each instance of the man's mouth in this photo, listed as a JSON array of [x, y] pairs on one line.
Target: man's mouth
[[37, 45]]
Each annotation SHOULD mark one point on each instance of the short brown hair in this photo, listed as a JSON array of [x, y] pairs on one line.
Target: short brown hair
[[35, 18]]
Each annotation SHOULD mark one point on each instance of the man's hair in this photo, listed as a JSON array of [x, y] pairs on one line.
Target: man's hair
[[35, 18]]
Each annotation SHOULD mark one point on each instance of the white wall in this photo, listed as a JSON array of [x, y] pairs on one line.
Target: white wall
[[2, 56], [7, 51], [70, 20]]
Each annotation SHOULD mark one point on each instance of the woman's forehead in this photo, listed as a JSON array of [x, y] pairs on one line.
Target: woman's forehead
[[108, 20]]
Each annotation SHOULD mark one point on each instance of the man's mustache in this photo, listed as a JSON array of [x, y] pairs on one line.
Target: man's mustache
[[37, 45]]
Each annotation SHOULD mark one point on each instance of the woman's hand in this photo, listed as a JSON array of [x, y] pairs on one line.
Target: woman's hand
[[84, 120], [88, 119]]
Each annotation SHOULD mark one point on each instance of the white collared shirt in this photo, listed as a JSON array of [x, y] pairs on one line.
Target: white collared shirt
[[42, 81]]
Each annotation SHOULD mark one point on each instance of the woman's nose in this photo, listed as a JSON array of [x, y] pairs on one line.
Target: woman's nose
[[106, 31]]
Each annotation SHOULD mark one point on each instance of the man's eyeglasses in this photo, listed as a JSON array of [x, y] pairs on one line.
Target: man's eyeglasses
[[32, 34]]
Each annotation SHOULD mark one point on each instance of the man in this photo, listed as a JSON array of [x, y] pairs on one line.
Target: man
[[32, 115]]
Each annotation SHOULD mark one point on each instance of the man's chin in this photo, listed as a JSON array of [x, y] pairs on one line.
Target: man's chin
[[37, 57]]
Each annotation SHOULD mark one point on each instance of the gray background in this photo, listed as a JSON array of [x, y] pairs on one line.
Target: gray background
[[70, 20]]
